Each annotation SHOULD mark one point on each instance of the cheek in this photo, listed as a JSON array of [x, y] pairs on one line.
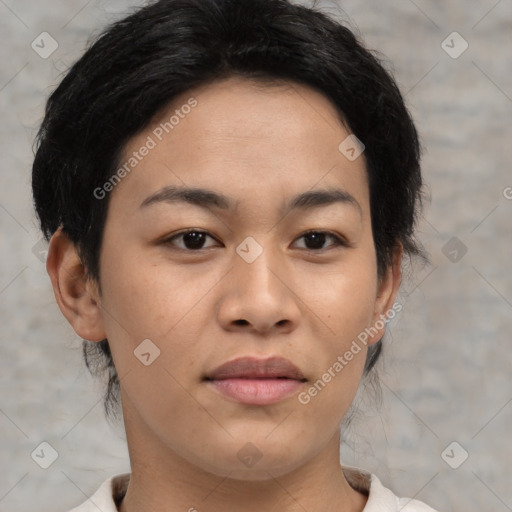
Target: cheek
[[346, 307], [148, 300], [343, 298], [161, 303], [344, 301]]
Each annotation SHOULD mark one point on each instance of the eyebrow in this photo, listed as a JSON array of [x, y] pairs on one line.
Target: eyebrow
[[209, 199]]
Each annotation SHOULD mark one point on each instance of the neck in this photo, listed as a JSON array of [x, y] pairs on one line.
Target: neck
[[162, 480]]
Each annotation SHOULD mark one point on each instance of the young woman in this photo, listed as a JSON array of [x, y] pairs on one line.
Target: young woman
[[229, 188]]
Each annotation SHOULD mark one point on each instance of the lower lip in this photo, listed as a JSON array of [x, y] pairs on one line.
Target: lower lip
[[257, 391]]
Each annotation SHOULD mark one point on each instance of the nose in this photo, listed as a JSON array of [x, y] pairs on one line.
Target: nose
[[259, 296]]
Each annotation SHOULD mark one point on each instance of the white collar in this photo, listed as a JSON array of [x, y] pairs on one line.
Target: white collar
[[380, 498]]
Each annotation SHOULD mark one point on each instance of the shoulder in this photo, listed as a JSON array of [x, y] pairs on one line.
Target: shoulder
[[380, 498], [107, 496]]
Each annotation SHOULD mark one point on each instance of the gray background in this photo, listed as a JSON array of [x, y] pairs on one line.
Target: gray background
[[447, 369]]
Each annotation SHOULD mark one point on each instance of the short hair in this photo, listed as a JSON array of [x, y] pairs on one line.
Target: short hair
[[138, 65]]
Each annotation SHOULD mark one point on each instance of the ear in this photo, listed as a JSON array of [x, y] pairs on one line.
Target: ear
[[77, 297], [387, 290]]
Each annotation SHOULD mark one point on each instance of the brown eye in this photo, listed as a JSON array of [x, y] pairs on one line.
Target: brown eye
[[192, 240], [315, 240]]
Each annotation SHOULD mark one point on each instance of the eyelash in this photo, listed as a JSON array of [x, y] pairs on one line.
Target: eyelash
[[338, 241]]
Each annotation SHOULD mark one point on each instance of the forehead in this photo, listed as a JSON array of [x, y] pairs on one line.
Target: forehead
[[237, 136]]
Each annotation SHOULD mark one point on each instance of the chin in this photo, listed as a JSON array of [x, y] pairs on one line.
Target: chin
[[248, 463], [255, 475], [260, 472]]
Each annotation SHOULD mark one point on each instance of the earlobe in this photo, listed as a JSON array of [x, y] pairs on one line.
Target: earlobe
[[386, 294], [76, 296]]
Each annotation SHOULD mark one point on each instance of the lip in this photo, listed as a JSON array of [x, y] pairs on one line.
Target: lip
[[254, 381]]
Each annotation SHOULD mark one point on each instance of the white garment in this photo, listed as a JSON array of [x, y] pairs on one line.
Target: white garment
[[380, 498]]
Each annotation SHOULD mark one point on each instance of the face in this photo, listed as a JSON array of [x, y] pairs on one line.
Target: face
[[259, 275]]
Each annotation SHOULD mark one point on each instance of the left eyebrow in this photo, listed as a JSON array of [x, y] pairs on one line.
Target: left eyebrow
[[196, 196], [317, 198], [205, 198]]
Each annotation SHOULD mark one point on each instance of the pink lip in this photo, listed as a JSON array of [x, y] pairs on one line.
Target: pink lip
[[254, 381]]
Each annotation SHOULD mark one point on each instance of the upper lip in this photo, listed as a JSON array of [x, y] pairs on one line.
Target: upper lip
[[255, 368]]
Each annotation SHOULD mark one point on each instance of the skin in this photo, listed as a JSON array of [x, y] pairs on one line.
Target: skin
[[260, 146]]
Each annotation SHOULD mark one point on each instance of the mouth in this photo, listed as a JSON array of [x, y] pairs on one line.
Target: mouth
[[253, 381]]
